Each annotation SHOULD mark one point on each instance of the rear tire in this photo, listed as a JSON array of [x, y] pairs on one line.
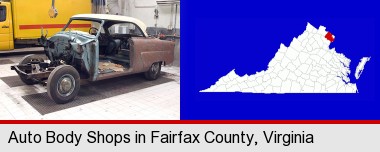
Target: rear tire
[[29, 58], [154, 71], [25, 60], [63, 84]]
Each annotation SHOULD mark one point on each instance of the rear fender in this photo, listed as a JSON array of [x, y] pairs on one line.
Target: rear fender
[[150, 50]]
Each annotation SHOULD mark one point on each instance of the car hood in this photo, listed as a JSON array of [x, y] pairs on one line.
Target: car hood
[[79, 37]]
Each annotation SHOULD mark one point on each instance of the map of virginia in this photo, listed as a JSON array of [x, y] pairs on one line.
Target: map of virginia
[[308, 65]]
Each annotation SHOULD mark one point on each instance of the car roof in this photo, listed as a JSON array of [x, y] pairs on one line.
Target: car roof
[[109, 17]]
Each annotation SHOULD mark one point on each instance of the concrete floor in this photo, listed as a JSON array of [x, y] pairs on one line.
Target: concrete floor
[[157, 102]]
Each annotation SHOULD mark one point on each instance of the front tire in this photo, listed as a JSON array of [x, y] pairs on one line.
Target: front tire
[[25, 60], [154, 71], [63, 84]]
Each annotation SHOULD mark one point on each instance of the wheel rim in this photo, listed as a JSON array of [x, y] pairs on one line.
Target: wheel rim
[[66, 85], [155, 68]]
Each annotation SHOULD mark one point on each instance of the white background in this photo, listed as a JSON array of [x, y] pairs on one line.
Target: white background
[[327, 138]]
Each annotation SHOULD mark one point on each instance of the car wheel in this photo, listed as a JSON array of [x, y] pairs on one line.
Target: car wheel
[[63, 84], [154, 71], [29, 58], [25, 60]]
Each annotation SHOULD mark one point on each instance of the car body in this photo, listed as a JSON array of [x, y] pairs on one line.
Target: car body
[[114, 46]]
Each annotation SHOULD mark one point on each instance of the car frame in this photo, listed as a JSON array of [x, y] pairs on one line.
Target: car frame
[[75, 55]]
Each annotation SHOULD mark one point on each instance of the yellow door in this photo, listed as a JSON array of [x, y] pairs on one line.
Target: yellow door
[[5, 27]]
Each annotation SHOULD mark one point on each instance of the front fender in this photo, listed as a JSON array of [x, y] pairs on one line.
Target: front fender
[[90, 59]]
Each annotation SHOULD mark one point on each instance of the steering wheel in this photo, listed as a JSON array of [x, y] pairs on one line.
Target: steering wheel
[[93, 30]]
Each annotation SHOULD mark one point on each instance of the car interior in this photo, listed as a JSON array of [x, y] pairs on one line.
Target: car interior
[[114, 47]]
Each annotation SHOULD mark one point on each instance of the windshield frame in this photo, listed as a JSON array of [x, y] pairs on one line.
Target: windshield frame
[[99, 28]]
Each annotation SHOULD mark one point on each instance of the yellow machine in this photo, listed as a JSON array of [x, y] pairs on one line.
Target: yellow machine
[[21, 21]]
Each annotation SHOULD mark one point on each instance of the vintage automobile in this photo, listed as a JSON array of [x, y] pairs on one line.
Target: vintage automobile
[[114, 46]]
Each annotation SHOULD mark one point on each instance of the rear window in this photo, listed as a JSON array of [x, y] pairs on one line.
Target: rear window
[[3, 13], [125, 28]]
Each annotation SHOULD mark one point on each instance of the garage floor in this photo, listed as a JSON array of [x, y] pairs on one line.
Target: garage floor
[[130, 97]]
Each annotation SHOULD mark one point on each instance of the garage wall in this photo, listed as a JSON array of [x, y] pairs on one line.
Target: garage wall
[[144, 10]]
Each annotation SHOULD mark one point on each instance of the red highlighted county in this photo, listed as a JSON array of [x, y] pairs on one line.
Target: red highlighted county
[[329, 37]]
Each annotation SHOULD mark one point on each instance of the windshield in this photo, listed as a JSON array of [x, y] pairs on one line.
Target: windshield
[[87, 26]]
